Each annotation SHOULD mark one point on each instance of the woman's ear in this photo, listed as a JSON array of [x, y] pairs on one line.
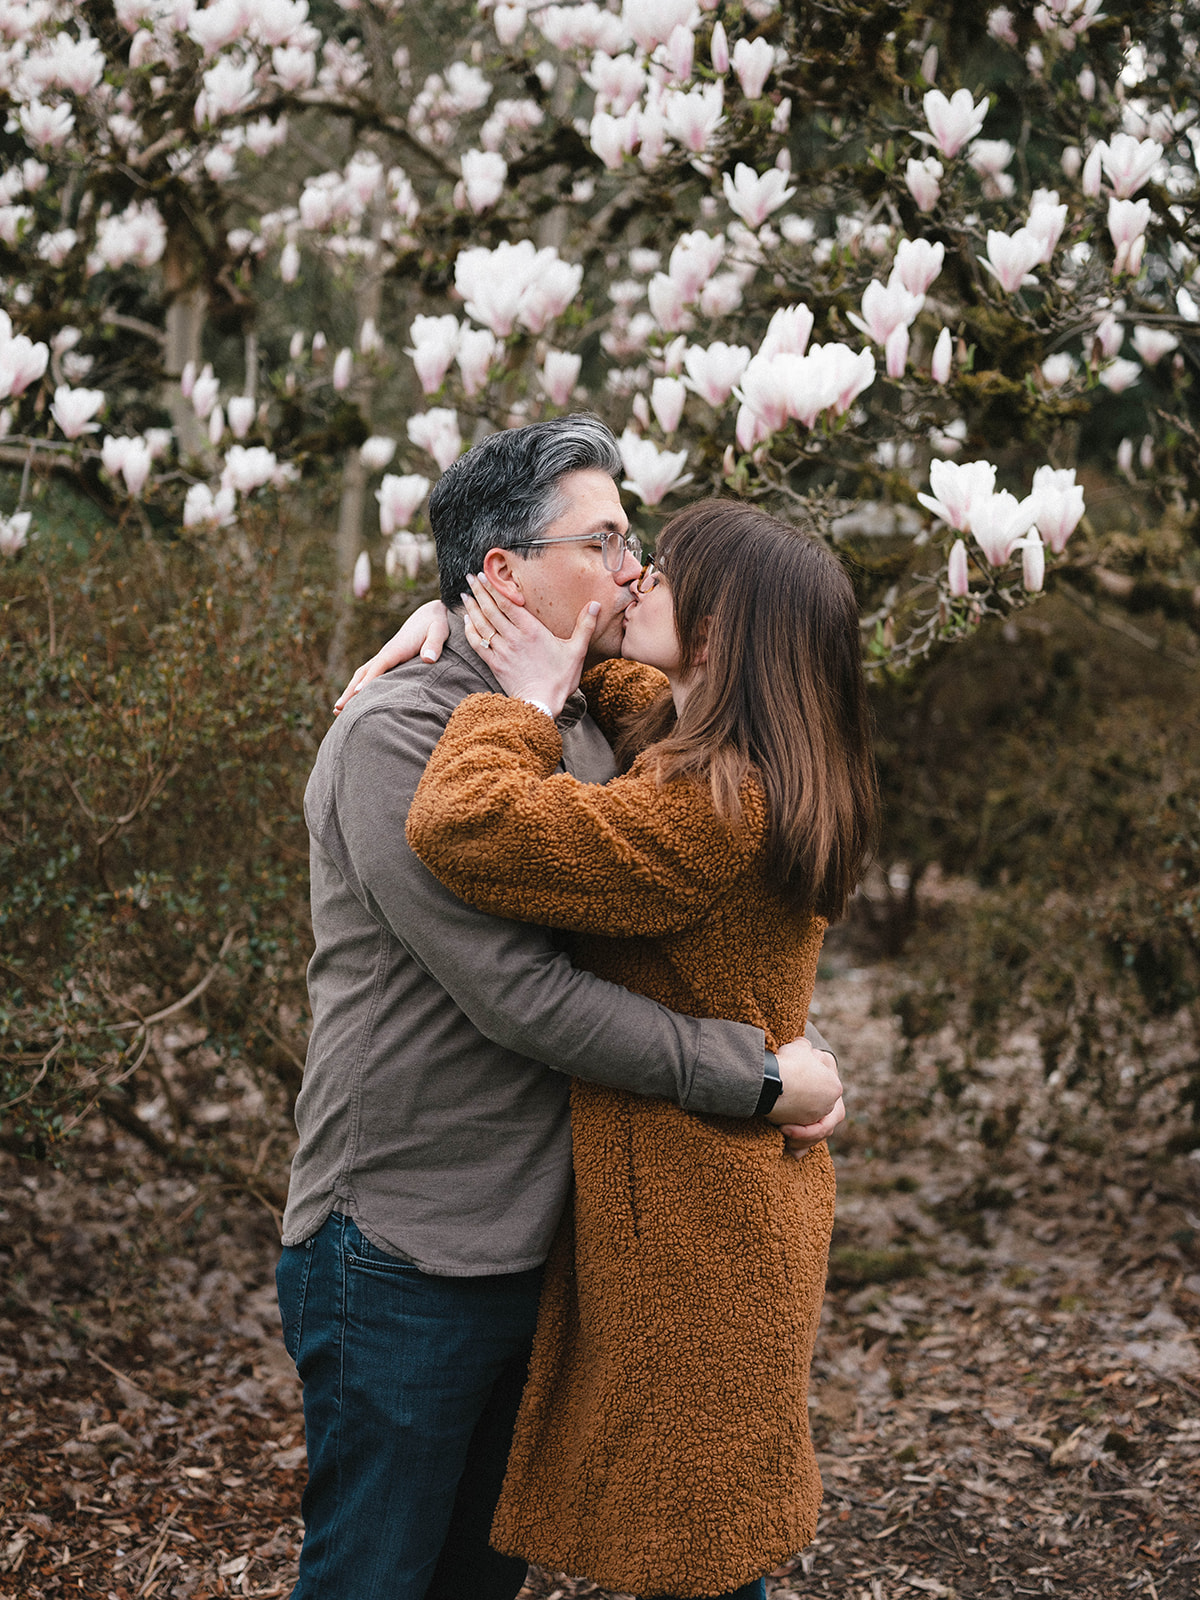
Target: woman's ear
[[701, 655], [501, 571]]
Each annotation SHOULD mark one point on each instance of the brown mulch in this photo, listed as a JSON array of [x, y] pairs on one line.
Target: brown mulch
[[1006, 1396]]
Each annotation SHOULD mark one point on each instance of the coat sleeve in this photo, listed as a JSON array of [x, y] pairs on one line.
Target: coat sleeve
[[616, 689], [495, 821]]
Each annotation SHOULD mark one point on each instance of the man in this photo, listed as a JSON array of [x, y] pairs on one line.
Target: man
[[434, 1152]]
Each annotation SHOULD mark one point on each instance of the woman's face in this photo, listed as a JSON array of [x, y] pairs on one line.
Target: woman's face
[[650, 635]]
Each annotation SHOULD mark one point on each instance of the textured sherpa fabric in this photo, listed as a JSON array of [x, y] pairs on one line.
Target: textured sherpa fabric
[[662, 1445]]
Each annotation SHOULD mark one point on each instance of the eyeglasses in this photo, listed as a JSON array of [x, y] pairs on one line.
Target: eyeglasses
[[649, 577], [614, 546]]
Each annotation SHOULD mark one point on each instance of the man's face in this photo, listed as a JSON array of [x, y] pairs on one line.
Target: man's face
[[557, 581]]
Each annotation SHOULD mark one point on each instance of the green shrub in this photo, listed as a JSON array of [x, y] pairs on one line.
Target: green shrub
[[161, 709], [1058, 766]]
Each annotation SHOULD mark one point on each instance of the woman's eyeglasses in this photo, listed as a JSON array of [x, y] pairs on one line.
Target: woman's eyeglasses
[[614, 546], [649, 577]]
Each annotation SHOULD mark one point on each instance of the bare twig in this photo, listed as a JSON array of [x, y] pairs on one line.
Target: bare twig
[[42, 1071], [50, 613], [118, 319], [194, 993]]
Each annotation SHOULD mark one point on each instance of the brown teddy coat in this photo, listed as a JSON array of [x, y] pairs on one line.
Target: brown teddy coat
[[662, 1444]]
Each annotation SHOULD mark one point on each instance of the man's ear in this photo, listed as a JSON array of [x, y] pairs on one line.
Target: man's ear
[[501, 571]]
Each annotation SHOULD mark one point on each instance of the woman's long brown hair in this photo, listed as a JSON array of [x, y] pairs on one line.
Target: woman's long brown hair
[[782, 692]]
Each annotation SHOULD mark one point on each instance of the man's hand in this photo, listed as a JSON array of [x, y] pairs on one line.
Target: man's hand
[[811, 1085], [801, 1139]]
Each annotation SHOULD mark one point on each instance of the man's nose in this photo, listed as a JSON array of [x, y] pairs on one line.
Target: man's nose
[[629, 569]]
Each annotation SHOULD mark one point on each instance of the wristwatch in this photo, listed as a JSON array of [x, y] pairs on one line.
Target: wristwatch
[[772, 1086]]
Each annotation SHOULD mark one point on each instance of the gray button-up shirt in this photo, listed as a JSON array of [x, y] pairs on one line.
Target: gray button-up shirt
[[434, 1108]]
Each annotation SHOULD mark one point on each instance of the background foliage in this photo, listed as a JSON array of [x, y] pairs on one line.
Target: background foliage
[[164, 681]]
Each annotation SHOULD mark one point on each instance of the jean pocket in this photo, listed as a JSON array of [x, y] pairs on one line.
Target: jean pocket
[[291, 1286], [362, 1254]]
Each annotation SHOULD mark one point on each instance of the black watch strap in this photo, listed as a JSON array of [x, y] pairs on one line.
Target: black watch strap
[[772, 1086]]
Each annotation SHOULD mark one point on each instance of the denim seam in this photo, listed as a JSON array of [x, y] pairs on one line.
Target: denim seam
[[302, 1297], [343, 1314]]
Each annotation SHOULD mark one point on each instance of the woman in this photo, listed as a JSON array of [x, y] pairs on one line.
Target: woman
[[663, 1443]]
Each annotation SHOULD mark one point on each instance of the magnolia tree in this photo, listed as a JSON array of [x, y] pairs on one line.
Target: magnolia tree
[[880, 268]]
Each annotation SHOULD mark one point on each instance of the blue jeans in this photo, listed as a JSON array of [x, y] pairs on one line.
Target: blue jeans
[[411, 1389]]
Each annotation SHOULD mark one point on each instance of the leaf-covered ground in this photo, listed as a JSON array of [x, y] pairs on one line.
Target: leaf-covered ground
[[1006, 1397]]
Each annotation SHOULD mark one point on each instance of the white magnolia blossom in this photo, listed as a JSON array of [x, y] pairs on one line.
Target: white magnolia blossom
[[73, 410], [483, 175], [14, 532], [719, 49], [1011, 257], [619, 82], [478, 349], [958, 579], [692, 117], [998, 522], [886, 308], [399, 495], [1046, 221], [434, 347], [714, 372], [1128, 162], [667, 399], [1152, 344], [22, 362], [753, 196], [1033, 561], [137, 236], [360, 581], [1059, 368], [653, 473], [1120, 375], [953, 122], [918, 262], [788, 332], [651, 22], [1127, 224], [1057, 505], [437, 432], [693, 260], [515, 282], [958, 487], [203, 390], [753, 61], [923, 179], [560, 374], [240, 411], [939, 366], [248, 468]]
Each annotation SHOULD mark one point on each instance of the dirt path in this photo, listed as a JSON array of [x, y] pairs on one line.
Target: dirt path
[[1006, 1396]]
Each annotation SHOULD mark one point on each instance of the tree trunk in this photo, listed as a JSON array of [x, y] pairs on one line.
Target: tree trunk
[[185, 325], [349, 537]]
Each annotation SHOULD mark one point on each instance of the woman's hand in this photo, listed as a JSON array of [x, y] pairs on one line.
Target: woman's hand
[[425, 632], [526, 659]]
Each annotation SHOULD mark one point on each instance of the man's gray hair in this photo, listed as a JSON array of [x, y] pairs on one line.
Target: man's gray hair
[[506, 489]]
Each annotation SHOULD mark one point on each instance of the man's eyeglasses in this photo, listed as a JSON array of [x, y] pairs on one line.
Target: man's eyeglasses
[[614, 546]]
